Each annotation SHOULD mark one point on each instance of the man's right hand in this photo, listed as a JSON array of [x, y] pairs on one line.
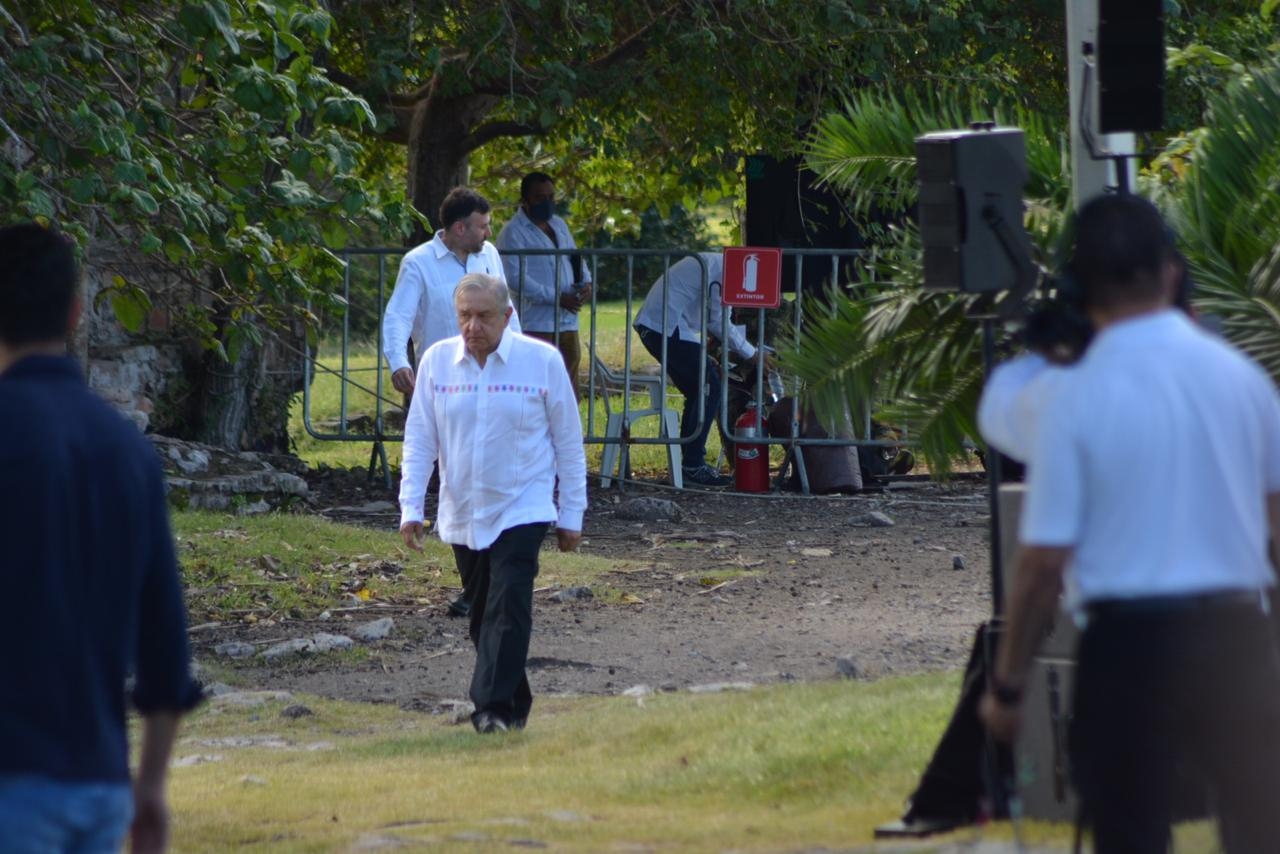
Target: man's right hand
[[568, 540], [413, 535], [402, 379]]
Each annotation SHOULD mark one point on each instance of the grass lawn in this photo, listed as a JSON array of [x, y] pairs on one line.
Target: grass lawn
[[779, 768], [282, 566]]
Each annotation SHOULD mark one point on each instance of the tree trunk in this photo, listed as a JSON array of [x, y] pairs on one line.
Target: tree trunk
[[243, 405], [438, 148], [228, 393]]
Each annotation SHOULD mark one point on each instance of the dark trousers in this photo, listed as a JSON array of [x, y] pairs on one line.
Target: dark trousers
[[682, 367], [500, 582], [1169, 702]]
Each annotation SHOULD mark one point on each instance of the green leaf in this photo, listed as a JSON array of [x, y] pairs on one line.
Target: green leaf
[[85, 188], [128, 172], [1269, 8], [40, 204], [195, 20], [292, 191], [178, 248], [220, 15], [131, 306], [354, 202], [145, 202], [315, 24]]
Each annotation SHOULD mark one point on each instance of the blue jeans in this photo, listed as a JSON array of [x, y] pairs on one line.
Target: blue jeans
[[43, 816], [682, 368]]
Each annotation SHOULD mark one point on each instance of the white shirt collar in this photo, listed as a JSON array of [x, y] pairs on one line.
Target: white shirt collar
[[503, 352], [440, 248], [1139, 330]]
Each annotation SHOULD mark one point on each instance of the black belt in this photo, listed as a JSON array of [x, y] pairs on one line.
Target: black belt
[[1201, 603]]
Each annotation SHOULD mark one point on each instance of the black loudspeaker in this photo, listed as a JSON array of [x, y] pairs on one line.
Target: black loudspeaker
[[1130, 62], [971, 208], [786, 209]]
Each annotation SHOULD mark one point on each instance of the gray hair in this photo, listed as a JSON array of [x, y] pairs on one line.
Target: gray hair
[[485, 283]]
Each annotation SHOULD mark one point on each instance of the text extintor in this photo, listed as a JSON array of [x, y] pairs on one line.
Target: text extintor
[[752, 277]]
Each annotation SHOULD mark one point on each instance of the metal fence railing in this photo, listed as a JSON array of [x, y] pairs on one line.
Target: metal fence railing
[[367, 287]]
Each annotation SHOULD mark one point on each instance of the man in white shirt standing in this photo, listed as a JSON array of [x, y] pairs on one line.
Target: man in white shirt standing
[[421, 305], [682, 288], [1154, 475], [551, 289], [495, 408]]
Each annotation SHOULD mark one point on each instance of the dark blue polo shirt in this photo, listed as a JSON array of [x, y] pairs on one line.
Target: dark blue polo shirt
[[89, 576]]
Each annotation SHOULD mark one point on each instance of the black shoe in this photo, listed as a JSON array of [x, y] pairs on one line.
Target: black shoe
[[705, 475], [459, 607], [487, 722]]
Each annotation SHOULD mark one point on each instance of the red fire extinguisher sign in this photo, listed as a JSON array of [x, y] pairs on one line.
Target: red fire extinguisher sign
[[752, 277]]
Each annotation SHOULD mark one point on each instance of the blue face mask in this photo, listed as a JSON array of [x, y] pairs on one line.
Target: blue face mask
[[542, 211]]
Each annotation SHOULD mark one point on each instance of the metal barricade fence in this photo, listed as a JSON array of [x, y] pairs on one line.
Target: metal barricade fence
[[378, 427]]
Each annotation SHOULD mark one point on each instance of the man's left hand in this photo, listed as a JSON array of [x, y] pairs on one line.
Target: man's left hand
[[568, 540], [1002, 720], [149, 832], [570, 302]]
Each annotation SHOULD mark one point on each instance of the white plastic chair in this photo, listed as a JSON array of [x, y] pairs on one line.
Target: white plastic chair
[[607, 382]]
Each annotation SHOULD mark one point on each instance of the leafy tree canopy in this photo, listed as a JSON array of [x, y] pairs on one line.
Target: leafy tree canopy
[[203, 135], [655, 100]]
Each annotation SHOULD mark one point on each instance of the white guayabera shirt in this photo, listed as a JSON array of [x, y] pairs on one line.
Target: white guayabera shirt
[[502, 433], [421, 306]]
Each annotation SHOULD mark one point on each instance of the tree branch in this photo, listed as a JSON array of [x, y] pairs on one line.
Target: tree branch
[[633, 45], [493, 130], [628, 49]]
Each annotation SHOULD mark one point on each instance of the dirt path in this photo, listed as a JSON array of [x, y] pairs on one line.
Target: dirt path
[[818, 586]]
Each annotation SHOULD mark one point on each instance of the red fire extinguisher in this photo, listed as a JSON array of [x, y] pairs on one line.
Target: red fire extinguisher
[[751, 467]]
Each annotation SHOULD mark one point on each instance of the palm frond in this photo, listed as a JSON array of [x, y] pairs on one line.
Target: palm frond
[[939, 419], [1227, 211], [867, 149], [913, 354]]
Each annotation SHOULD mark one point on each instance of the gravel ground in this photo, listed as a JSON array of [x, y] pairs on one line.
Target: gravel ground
[[738, 589]]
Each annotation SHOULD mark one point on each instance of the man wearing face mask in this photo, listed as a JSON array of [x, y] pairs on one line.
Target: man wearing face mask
[[552, 288]]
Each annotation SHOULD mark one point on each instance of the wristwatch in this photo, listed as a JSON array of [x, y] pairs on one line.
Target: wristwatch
[[1006, 695]]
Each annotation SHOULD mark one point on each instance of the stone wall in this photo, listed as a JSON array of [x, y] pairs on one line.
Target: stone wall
[[134, 372]]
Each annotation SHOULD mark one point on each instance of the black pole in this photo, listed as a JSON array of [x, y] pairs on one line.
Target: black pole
[[994, 476]]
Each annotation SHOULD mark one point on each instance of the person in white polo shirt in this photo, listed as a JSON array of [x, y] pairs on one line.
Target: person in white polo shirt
[[1153, 493], [551, 289], [496, 409], [421, 305]]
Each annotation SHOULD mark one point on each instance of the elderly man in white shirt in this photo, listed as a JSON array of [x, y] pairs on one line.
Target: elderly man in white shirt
[[682, 288], [1154, 485], [495, 408], [421, 305], [550, 289]]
